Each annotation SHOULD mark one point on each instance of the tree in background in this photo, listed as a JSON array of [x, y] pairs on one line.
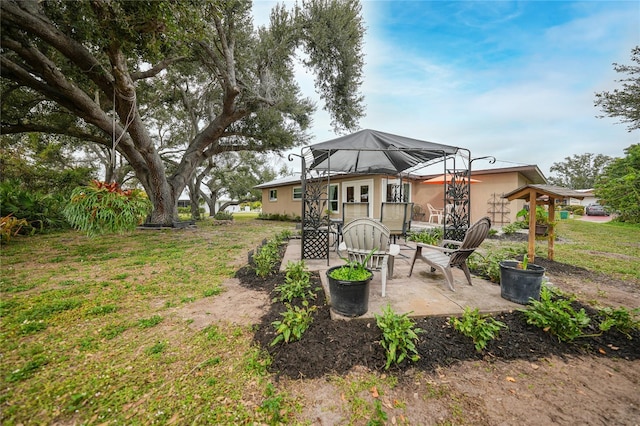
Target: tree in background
[[619, 185], [97, 71], [579, 171], [624, 103]]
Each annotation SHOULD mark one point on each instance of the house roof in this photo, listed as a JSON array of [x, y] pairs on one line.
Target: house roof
[[531, 172], [550, 191]]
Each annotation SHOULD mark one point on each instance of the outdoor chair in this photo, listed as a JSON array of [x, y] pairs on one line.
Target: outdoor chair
[[351, 211], [360, 237], [433, 212], [396, 217], [418, 213], [453, 253]]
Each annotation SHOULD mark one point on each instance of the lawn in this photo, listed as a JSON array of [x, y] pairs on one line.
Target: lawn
[[89, 333]]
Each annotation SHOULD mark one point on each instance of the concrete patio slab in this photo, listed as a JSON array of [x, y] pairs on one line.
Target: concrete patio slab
[[423, 294]]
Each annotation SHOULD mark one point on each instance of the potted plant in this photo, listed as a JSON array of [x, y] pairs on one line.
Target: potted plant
[[542, 219], [520, 281], [349, 287]]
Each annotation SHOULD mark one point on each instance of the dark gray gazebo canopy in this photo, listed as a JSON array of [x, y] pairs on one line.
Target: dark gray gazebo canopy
[[371, 151]]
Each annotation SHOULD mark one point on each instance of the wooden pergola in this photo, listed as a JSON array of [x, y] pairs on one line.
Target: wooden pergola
[[542, 195]]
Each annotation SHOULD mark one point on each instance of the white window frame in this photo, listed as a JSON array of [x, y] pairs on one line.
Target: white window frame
[[273, 195], [298, 192]]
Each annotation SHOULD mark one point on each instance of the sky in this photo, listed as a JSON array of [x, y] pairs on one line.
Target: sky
[[515, 80]]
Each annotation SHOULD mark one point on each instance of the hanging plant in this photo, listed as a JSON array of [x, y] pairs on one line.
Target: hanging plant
[[103, 208]]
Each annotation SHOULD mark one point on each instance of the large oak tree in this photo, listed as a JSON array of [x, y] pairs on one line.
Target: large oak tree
[[108, 72]]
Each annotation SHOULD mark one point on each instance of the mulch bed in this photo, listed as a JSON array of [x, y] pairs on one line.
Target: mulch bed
[[336, 346]]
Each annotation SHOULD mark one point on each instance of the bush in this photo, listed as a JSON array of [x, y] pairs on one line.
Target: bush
[[554, 313], [40, 211], [223, 216], [399, 336], [431, 236], [481, 328]]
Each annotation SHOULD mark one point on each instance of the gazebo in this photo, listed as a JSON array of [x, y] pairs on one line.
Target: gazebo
[[369, 152], [542, 195]]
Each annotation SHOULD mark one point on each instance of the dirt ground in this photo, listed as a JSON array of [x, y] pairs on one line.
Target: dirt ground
[[524, 377]]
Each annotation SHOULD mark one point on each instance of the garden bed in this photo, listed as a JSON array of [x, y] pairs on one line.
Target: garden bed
[[329, 346]]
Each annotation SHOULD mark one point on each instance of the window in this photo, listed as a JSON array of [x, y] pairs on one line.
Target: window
[[393, 193], [297, 193], [273, 195], [333, 198]]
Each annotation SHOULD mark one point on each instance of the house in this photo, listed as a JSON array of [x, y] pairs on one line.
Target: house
[[284, 195]]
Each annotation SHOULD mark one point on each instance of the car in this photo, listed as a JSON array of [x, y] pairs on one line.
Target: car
[[595, 209]]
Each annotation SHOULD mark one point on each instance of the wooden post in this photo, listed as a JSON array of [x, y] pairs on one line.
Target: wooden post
[[552, 228], [531, 253]]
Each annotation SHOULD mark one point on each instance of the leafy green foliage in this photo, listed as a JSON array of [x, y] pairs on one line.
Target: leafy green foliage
[[399, 336], [266, 258], [554, 313], [223, 216], [296, 320], [620, 319], [579, 171], [150, 322], [353, 270], [39, 210], [481, 328], [488, 265], [431, 236], [619, 185], [297, 283], [624, 103], [102, 208], [272, 405]]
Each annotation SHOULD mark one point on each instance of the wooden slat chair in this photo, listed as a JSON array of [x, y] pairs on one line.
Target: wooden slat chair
[[360, 236], [445, 258]]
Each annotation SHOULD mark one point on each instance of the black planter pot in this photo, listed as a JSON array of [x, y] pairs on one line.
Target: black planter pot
[[520, 285], [349, 298]]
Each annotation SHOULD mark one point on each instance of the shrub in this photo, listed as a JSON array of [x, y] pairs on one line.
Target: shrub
[[266, 258], [10, 227], [295, 322], [223, 216], [40, 211], [621, 319], [481, 328], [297, 283], [399, 336], [431, 236], [553, 312]]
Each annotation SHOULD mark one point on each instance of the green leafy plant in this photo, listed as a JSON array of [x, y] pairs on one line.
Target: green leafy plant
[[431, 236], [102, 208], [353, 270], [295, 322], [399, 336], [480, 328], [297, 283], [620, 319], [554, 313], [223, 216], [266, 258]]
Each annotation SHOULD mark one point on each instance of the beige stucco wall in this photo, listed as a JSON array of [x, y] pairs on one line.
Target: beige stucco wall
[[420, 194]]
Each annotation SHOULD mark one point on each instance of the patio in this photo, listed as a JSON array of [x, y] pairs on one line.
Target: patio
[[423, 294]]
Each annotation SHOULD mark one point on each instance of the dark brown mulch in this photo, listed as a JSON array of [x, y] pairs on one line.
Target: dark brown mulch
[[335, 346]]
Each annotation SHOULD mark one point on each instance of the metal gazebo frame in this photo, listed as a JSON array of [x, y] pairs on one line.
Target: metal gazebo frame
[[317, 173]]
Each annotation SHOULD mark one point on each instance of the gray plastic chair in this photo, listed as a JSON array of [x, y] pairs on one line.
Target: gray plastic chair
[[445, 257], [360, 236]]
